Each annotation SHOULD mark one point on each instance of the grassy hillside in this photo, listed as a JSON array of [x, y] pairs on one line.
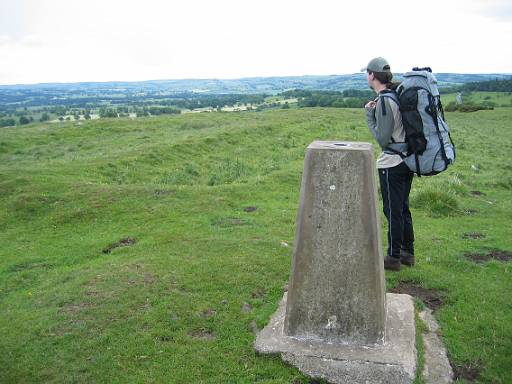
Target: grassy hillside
[[150, 250], [497, 99]]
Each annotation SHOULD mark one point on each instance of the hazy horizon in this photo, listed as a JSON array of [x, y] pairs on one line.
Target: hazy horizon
[[235, 78], [56, 41]]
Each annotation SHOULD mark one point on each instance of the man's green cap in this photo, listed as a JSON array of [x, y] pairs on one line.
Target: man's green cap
[[379, 64]]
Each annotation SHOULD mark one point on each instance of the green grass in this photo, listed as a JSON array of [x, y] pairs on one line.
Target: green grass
[[421, 329], [168, 308], [497, 99]]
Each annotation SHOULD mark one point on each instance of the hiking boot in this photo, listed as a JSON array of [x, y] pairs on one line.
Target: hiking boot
[[391, 263], [407, 258]]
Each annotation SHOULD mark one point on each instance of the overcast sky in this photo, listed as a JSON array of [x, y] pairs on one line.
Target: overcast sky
[[106, 40]]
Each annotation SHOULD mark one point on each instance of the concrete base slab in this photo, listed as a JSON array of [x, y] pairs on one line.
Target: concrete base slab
[[391, 362], [437, 368]]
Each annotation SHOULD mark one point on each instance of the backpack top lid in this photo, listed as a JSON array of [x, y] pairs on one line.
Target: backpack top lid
[[422, 79]]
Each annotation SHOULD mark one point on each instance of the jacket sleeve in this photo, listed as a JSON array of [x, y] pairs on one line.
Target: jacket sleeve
[[381, 122]]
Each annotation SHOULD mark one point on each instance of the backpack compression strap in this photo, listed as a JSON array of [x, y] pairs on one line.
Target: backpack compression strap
[[433, 112], [393, 148], [391, 95]]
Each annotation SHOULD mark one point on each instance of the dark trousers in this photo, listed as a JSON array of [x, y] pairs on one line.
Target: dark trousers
[[395, 186]]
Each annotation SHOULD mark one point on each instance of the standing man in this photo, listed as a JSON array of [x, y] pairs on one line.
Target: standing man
[[385, 124]]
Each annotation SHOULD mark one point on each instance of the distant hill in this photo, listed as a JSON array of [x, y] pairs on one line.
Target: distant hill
[[250, 85]]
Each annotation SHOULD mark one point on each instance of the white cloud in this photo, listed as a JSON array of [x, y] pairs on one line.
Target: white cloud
[[58, 40], [4, 40], [496, 10]]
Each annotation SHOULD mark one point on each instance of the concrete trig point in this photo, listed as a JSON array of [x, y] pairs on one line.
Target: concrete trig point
[[337, 322]]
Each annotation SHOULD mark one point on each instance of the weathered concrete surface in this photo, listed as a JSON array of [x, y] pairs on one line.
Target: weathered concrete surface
[[337, 289], [336, 321], [437, 369], [391, 362]]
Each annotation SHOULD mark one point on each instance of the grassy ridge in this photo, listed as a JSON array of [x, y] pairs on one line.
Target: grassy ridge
[[180, 304]]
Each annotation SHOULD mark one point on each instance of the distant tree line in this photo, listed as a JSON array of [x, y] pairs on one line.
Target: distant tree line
[[43, 106], [154, 111], [467, 107], [215, 101], [11, 104], [7, 122], [23, 109], [498, 85], [350, 98]]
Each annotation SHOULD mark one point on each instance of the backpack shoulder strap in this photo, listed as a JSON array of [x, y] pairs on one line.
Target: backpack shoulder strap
[[390, 94]]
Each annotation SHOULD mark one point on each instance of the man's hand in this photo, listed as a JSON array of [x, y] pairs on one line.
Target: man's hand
[[371, 104]]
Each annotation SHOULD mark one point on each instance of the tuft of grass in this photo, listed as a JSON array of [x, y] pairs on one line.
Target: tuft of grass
[[187, 175], [421, 328], [436, 202], [455, 184], [229, 171], [505, 183], [439, 196]]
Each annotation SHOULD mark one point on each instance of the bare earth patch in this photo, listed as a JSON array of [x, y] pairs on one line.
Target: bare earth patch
[[431, 297], [494, 255], [30, 265], [208, 313], [229, 222], [121, 243], [202, 334], [259, 293], [473, 235], [468, 371], [163, 192], [148, 279], [254, 327], [76, 308]]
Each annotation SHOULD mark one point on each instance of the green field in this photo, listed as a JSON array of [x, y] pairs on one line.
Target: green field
[[148, 251], [496, 99]]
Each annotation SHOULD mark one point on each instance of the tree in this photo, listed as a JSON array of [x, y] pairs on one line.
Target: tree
[[24, 120], [338, 103], [7, 122], [44, 117], [108, 112]]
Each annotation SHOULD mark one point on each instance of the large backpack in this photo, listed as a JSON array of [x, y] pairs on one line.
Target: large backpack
[[429, 147]]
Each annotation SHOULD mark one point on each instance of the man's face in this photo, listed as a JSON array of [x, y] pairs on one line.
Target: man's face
[[370, 77]]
